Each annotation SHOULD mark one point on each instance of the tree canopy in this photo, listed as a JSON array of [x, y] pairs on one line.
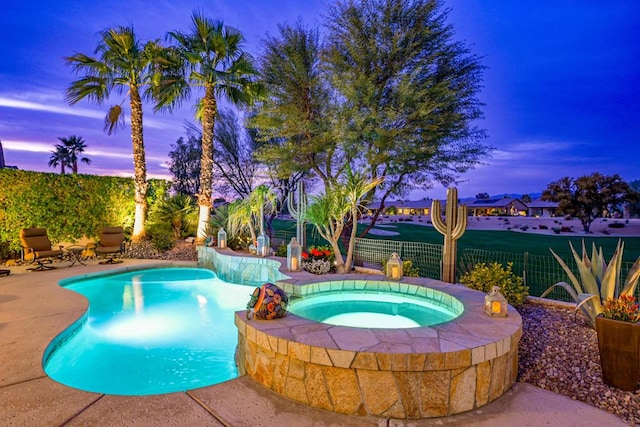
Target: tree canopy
[[589, 197], [388, 92]]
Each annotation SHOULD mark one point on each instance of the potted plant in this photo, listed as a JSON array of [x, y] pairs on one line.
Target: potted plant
[[618, 328], [598, 280]]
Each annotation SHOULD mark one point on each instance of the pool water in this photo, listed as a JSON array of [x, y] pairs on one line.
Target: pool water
[[363, 309], [150, 332]]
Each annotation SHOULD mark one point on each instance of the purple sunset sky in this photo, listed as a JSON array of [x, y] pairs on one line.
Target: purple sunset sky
[[562, 89]]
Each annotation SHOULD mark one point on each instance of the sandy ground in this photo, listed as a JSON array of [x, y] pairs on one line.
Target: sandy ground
[[599, 228]]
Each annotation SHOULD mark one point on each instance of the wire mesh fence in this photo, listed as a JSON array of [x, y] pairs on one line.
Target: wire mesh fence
[[538, 271]]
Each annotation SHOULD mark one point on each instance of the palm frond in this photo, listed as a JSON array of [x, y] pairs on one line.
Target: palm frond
[[114, 119]]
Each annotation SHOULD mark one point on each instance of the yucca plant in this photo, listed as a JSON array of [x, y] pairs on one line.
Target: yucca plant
[[598, 280]]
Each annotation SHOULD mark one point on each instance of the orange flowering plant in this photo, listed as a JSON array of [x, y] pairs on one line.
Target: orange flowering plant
[[623, 308], [318, 252]]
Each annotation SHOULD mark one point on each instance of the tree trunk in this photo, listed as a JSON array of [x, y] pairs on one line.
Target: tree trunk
[[206, 161], [139, 165]]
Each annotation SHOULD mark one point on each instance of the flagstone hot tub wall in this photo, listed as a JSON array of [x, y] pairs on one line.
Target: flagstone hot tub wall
[[398, 373]]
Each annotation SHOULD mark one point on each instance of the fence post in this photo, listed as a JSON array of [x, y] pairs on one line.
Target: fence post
[[524, 269]]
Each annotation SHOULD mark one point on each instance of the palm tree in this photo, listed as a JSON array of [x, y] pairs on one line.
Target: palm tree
[[122, 64], [75, 145], [60, 156], [211, 57]]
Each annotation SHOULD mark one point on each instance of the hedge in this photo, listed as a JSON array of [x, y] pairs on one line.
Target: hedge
[[69, 206]]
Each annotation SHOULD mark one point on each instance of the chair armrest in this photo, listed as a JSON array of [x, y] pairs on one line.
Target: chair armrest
[[25, 251]]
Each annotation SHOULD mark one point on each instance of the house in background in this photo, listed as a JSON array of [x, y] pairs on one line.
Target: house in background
[[497, 206], [542, 208], [2, 163], [507, 206], [403, 207]]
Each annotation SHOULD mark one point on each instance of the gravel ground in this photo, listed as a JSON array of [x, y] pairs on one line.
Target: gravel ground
[[559, 352]]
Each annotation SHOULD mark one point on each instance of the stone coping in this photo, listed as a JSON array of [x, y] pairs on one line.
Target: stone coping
[[482, 336]]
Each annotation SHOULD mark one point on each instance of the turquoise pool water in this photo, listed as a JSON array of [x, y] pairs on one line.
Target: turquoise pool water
[[149, 332], [363, 309]]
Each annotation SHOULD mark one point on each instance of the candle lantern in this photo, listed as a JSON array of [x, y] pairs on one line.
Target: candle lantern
[[294, 255], [222, 238], [264, 245], [495, 304], [394, 267]]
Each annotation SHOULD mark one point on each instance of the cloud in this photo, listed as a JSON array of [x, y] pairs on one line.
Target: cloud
[[42, 101], [35, 106]]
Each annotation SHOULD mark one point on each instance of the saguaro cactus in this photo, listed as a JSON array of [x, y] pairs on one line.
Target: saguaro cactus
[[453, 229], [298, 210]]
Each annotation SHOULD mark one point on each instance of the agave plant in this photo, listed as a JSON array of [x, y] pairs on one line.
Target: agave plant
[[598, 280]]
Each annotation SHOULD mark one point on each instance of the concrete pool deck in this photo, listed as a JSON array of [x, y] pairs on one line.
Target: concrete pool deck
[[34, 309]]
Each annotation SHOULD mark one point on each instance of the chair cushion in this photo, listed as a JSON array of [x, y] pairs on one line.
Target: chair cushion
[[111, 239], [35, 238]]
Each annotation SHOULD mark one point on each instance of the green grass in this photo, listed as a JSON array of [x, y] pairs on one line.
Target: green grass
[[498, 240]]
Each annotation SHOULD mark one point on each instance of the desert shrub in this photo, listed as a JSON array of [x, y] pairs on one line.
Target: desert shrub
[[281, 250], [616, 225], [409, 270], [161, 236], [557, 230], [524, 227], [483, 277], [544, 227], [566, 229]]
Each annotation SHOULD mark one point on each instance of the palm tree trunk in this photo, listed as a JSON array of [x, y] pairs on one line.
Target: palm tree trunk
[[139, 165], [206, 161]]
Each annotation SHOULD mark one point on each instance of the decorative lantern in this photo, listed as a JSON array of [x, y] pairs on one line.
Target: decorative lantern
[[394, 267], [263, 245], [495, 304], [222, 239], [294, 255]]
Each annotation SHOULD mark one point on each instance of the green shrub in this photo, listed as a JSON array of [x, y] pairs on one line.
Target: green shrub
[[409, 270], [161, 237], [483, 277], [69, 206], [281, 251]]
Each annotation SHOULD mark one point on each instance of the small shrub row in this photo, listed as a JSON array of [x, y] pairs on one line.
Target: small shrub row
[[484, 277]]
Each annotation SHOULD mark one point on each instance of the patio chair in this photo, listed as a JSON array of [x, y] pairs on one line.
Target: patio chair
[[111, 242], [36, 247]]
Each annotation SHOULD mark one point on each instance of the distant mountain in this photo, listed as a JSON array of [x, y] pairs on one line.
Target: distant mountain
[[501, 195]]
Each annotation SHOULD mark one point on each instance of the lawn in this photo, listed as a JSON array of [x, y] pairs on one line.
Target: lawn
[[501, 241]]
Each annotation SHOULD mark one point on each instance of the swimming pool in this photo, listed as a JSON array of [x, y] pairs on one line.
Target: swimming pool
[[150, 331]]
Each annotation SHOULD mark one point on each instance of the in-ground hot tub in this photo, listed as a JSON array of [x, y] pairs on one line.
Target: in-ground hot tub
[[363, 308], [416, 372]]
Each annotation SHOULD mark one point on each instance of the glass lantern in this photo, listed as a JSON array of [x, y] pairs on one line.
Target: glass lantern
[[263, 245], [495, 304], [222, 239], [294, 255], [394, 267]]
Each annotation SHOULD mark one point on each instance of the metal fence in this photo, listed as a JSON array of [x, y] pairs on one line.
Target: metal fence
[[538, 271]]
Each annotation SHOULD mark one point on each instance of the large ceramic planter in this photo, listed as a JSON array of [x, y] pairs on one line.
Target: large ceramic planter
[[619, 345]]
